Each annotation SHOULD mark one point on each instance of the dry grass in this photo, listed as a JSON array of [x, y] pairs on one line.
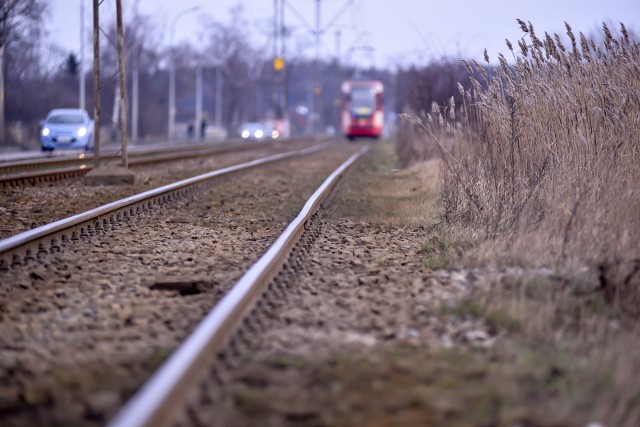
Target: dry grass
[[543, 174], [550, 147], [543, 155], [382, 193], [554, 149]]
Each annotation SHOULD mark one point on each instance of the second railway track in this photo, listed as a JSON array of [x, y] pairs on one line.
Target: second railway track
[[24, 208], [48, 170]]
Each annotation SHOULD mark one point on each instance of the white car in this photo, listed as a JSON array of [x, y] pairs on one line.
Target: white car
[[67, 128], [258, 132]]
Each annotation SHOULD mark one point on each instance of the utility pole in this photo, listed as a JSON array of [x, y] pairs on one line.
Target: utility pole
[[198, 125], [96, 83], [135, 88], [135, 83], [317, 89], [82, 89], [2, 112], [171, 131], [109, 175], [123, 85], [279, 62], [219, 95], [316, 92], [283, 53], [274, 95]]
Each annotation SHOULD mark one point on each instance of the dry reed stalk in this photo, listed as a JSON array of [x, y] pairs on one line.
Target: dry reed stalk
[[553, 122], [547, 175], [544, 173]]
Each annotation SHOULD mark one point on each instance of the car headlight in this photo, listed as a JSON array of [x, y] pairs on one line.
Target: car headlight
[[258, 134], [275, 134], [246, 134], [46, 131], [82, 131]]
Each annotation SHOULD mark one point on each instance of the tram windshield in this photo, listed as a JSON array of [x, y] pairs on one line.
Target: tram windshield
[[363, 100]]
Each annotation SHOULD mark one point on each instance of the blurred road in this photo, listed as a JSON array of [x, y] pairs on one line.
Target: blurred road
[[105, 149]]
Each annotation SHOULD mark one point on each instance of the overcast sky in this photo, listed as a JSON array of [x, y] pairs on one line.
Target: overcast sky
[[401, 31]]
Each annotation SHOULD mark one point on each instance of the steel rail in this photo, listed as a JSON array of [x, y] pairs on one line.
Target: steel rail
[[48, 175], [162, 395], [18, 166], [34, 178], [84, 163], [112, 154], [33, 240], [40, 163], [136, 151]]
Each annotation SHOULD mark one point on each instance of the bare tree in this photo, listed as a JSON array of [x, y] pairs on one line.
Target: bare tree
[[232, 49], [17, 17], [141, 40]]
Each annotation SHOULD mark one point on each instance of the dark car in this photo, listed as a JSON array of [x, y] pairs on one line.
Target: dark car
[[67, 128]]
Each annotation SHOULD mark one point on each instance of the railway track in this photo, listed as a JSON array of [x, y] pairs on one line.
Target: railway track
[[25, 208], [49, 238], [160, 399], [344, 333], [42, 263], [44, 171]]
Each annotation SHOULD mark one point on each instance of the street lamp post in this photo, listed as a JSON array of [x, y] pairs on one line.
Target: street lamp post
[[219, 76], [81, 71], [198, 127], [171, 131]]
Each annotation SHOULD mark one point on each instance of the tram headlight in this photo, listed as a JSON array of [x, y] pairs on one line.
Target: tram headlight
[[378, 119]]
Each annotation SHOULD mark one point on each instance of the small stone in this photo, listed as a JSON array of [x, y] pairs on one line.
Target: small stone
[[355, 262], [101, 403], [367, 280], [446, 341], [476, 335], [369, 240]]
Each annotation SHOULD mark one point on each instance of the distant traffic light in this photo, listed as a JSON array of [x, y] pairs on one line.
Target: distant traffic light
[[278, 63]]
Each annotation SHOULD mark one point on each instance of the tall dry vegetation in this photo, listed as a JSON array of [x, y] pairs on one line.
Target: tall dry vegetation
[[428, 88], [540, 167], [552, 148]]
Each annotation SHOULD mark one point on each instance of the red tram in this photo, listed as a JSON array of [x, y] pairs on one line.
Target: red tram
[[362, 108]]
